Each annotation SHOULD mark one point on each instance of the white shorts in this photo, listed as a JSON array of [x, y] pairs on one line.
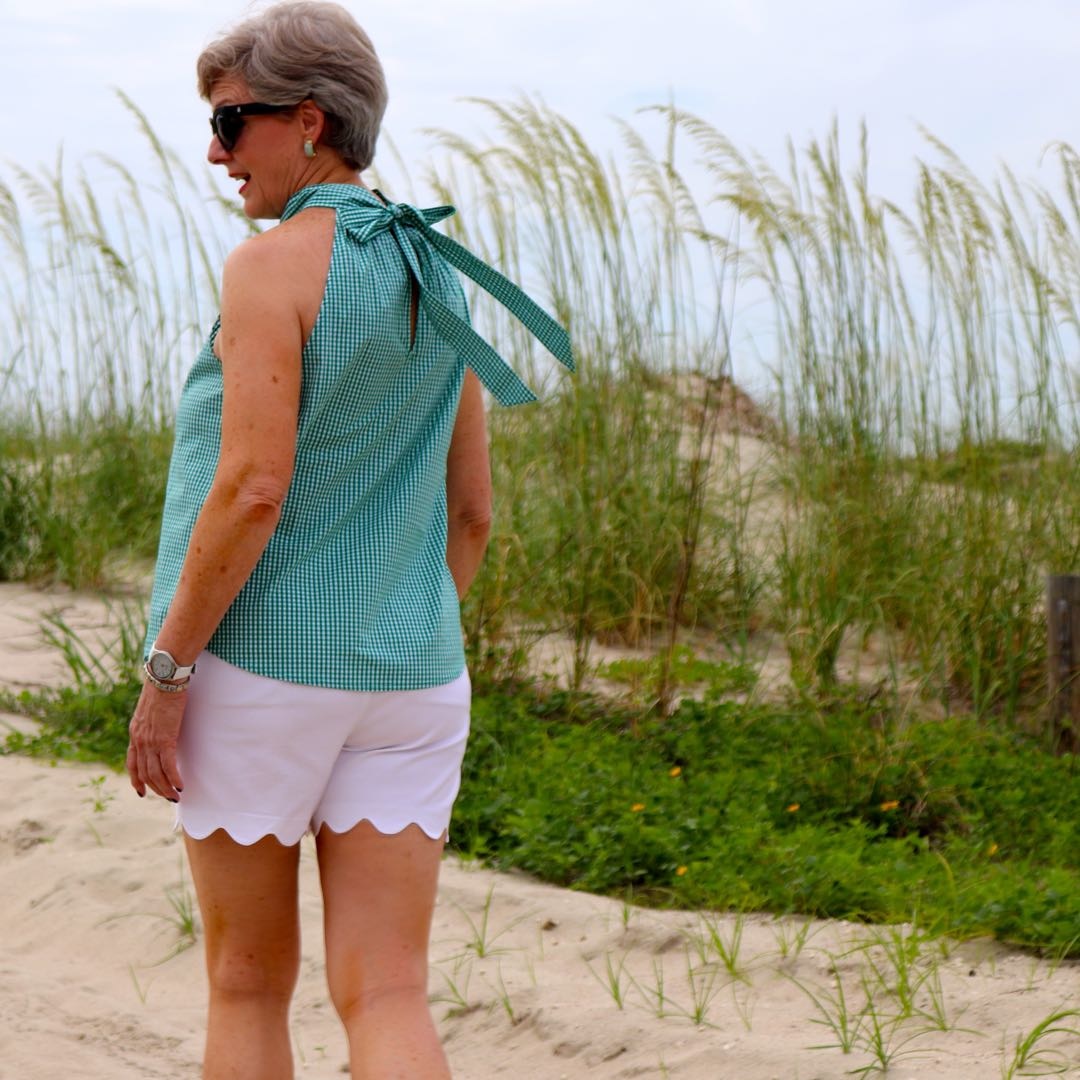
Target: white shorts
[[260, 756]]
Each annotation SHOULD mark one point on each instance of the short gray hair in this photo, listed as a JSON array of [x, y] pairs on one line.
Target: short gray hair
[[307, 49]]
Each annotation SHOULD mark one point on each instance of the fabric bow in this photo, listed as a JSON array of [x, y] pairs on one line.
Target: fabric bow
[[404, 221]]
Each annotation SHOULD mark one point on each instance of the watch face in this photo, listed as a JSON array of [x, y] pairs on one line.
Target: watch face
[[161, 667]]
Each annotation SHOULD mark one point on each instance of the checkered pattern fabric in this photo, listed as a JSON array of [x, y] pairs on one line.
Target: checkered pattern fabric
[[353, 590]]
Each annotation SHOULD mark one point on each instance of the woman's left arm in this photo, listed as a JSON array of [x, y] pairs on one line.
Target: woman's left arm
[[260, 344]]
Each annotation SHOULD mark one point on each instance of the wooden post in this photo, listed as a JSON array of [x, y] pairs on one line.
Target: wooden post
[[1063, 620]]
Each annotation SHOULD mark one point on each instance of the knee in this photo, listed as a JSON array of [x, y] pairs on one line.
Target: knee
[[268, 976], [399, 995]]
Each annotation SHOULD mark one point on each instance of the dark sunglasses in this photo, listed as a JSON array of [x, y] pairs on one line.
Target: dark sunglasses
[[228, 121]]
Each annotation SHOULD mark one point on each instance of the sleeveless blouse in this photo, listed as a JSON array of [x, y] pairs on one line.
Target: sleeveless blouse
[[353, 590]]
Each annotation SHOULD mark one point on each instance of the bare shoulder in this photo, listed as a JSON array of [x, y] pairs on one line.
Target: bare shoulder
[[284, 246], [286, 266]]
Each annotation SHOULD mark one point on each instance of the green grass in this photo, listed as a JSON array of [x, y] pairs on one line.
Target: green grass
[[79, 507]]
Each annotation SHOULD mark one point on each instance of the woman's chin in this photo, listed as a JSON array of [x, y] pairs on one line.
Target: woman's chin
[[255, 208]]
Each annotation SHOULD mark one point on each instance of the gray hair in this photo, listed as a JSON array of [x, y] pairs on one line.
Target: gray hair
[[307, 49]]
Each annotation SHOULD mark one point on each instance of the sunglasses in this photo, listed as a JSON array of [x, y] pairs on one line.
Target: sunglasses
[[228, 121]]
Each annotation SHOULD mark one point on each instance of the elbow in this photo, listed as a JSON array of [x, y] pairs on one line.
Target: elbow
[[260, 498], [473, 522]]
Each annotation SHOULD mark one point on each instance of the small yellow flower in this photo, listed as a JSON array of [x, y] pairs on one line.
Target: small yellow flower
[[675, 770], [992, 849], [680, 870], [793, 807], [637, 808], [890, 804]]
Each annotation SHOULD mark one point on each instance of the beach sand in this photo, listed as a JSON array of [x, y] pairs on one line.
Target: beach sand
[[99, 981]]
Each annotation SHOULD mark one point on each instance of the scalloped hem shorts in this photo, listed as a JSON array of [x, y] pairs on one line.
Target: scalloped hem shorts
[[260, 756]]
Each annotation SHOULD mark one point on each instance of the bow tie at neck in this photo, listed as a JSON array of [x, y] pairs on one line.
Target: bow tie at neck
[[363, 216]]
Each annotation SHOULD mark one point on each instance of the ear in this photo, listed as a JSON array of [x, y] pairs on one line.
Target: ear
[[312, 120]]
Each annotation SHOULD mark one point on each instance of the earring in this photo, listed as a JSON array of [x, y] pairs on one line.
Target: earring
[[309, 149]]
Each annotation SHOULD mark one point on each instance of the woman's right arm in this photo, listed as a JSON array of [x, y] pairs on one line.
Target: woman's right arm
[[468, 487]]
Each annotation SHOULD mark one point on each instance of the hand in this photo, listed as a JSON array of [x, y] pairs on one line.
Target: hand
[[154, 730]]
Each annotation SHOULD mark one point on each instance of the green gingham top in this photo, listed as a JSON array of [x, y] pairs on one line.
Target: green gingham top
[[353, 589]]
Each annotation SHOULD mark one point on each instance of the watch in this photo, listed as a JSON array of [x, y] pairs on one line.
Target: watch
[[162, 666]]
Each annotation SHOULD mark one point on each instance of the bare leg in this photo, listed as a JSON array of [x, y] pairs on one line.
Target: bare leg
[[248, 900], [378, 895]]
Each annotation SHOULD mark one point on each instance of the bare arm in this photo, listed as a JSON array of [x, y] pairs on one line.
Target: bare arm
[[260, 345], [468, 487]]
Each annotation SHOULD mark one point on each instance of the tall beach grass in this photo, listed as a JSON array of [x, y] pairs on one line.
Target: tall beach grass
[[909, 482]]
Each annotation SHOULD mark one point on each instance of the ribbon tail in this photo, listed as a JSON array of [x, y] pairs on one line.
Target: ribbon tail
[[539, 323], [492, 370]]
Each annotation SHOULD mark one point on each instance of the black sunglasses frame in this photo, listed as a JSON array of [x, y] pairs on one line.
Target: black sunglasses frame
[[227, 121]]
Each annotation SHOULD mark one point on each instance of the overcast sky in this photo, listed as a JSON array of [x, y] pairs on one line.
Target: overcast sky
[[996, 79]]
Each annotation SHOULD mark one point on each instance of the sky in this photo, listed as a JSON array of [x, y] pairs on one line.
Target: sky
[[995, 79]]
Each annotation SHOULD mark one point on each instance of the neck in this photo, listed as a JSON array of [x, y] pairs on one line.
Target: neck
[[327, 168]]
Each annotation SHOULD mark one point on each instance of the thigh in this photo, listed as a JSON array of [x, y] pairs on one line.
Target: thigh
[[248, 901], [379, 894]]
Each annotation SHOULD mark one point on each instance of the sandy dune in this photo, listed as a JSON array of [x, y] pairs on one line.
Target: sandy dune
[[98, 981]]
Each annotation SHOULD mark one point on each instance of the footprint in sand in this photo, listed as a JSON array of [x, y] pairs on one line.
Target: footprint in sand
[[26, 835]]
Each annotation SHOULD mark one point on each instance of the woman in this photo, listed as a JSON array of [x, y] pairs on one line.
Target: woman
[[328, 504]]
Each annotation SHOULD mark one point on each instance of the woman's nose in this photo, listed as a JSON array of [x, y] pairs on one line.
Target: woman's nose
[[215, 152]]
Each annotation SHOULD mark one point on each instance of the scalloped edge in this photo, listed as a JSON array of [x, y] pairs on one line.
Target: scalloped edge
[[199, 833], [390, 831]]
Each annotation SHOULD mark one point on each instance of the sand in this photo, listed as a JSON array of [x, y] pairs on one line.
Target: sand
[[100, 981]]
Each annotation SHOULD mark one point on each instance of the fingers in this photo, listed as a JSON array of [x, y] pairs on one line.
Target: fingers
[[151, 770], [171, 770], [132, 763], [151, 757]]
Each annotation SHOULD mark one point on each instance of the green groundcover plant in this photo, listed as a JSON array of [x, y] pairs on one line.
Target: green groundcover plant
[[833, 810]]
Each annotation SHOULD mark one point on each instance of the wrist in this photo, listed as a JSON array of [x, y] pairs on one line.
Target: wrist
[[163, 667], [166, 686]]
